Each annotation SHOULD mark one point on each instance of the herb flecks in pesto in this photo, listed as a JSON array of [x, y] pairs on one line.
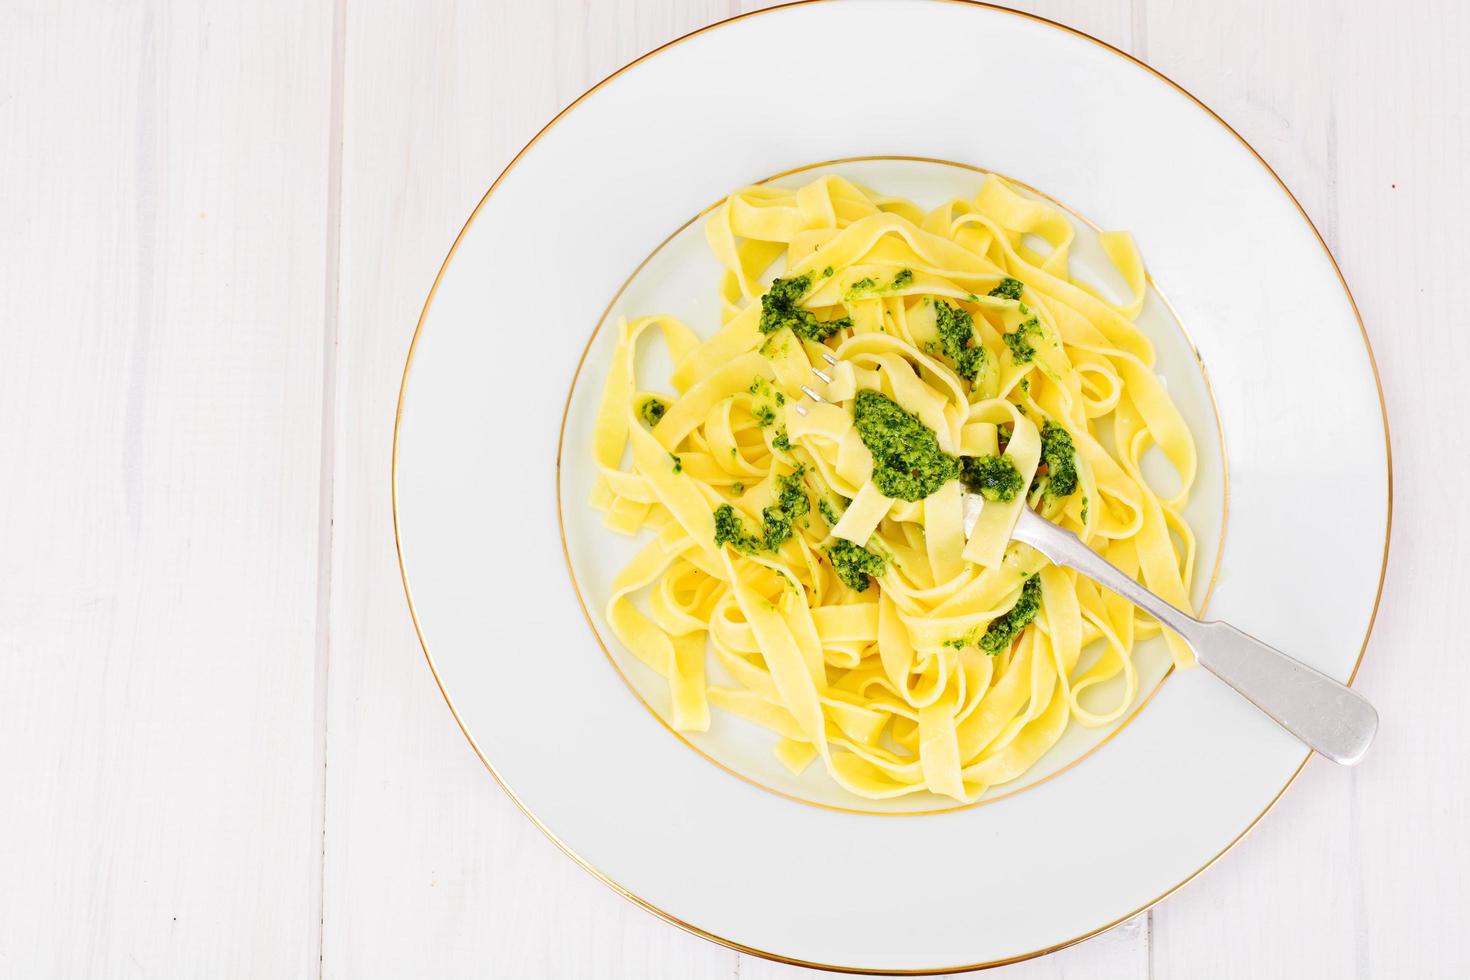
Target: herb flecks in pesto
[[1008, 289], [827, 272], [781, 441], [1060, 456], [993, 477], [651, 411], [791, 495], [790, 504], [956, 336], [731, 530], [764, 416], [779, 308], [1004, 629], [737, 488], [1019, 340], [907, 461], [678, 463], [776, 527], [854, 563], [867, 285], [825, 509]]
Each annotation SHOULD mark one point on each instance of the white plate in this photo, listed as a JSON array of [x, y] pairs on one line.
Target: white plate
[[554, 242], [679, 278]]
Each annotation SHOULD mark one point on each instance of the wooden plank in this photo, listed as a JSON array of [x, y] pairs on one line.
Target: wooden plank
[[430, 869], [1359, 107], [162, 250]]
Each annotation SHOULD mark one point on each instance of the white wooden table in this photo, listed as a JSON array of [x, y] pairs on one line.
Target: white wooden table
[[221, 752]]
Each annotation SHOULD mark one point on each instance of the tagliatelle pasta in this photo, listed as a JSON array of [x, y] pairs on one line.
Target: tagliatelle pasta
[[819, 557]]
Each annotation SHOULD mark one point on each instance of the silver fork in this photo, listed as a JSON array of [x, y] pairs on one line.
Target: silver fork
[[1328, 717]]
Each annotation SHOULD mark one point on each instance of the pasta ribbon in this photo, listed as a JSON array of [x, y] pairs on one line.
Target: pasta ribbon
[[810, 572]]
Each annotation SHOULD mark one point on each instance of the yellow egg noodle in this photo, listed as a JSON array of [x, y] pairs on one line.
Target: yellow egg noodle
[[821, 559]]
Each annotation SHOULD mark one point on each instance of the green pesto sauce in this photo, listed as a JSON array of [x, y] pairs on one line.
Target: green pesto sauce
[[731, 530], [737, 488], [651, 411], [854, 563], [791, 495], [764, 416], [779, 309], [1060, 457], [1003, 630], [958, 643], [1026, 385], [868, 285], [678, 463], [791, 503], [825, 509], [907, 461], [956, 335], [781, 441], [1019, 340], [1084, 508], [1008, 289], [992, 477], [827, 272], [776, 527]]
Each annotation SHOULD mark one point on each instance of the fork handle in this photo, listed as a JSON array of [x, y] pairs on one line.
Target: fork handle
[[1329, 717]]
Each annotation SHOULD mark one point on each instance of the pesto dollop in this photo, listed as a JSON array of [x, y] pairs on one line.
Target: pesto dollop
[[731, 530], [1060, 456], [907, 461], [868, 285], [1008, 289], [779, 309], [1004, 629], [791, 503], [956, 335], [854, 563], [651, 411], [992, 477], [1019, 340]]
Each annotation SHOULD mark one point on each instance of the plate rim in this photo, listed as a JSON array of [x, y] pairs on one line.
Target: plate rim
[[669, 917]]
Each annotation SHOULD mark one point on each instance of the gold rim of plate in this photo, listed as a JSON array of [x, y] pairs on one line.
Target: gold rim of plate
[[689, 927], [984, 800]]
